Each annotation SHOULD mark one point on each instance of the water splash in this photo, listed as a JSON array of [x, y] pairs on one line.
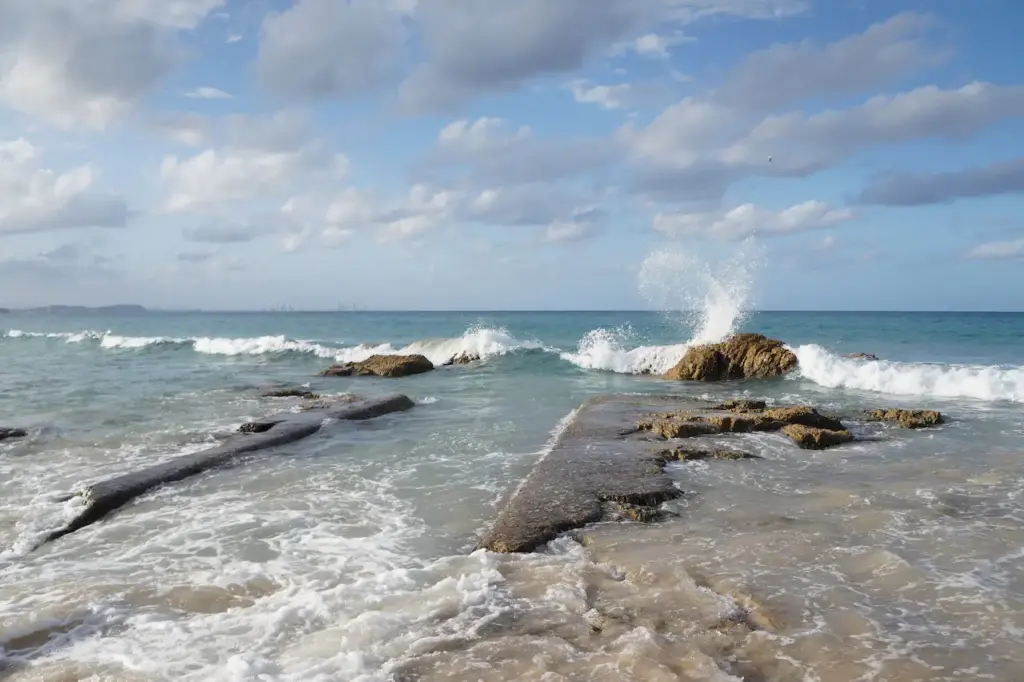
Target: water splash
[[709, 299]]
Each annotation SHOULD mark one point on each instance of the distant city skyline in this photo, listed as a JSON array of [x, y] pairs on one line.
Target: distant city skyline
[[442, 155]]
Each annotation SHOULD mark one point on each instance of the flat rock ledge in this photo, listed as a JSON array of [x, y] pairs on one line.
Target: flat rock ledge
[[602, 466], [390, 366], [105, 497]]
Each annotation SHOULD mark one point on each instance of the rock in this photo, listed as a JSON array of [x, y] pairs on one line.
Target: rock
[[811, 438], [805, 416], [291, 393], [741, 356], [390, 366], [462, 358], [735, 417], [676, 426], [695, 454], [6, 433], [861, 356], [907, 419], [742, 405], [623, 511]]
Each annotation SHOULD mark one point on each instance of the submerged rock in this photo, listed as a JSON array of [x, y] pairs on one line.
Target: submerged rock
[[811, 438], [741, 356], [907, 419], [696, 454], [7, 432], [861, 356], [390, 366], [462, 358], [741, 405], [291, 393]]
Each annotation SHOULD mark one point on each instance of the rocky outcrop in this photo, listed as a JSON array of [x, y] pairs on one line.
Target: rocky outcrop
[[105, 497], [390, 366], [462, 358], [291, 393], [6, 433], [861, 356], [741, 356], [907, 419], [812, 438], [747, 416]]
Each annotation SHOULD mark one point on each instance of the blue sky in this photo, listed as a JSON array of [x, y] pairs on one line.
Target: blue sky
[[448, 154]]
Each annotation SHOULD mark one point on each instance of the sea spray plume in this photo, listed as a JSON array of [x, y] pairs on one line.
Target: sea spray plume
[[710, 298]]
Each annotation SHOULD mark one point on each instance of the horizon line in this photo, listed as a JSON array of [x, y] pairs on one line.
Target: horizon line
[[101, 308]]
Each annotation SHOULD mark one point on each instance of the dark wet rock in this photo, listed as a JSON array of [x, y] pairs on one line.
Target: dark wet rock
[[7, 432], [907, 419], [107, 496], [861, 356], [463, 358], [805, 416], [742, 405], [328, 401], [589, 467], [390, 366], [741, 356], [811, 438], [291, 393], [696, 454]]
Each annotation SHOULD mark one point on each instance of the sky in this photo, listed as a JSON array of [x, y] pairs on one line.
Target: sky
[[490, 154]]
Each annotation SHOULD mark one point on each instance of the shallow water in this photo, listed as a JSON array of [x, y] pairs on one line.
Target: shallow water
[[348, 556]]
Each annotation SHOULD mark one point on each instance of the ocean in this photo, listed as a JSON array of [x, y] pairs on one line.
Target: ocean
[[350, 555]]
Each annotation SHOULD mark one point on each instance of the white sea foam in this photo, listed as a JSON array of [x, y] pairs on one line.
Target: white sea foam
[[981, 382], [476, 341], [706, 299]]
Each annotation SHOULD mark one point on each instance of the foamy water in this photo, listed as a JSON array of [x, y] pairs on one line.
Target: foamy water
[[350, 556]]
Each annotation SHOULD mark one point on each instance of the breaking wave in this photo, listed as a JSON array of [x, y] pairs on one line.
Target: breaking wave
[[706, 300], [981, 382], [482, 342]]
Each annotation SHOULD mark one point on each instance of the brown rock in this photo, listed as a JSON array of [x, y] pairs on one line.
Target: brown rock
[[907, 419], [861, 356], [742, 423], [694, 454], [741, 405], [741, 356], [675, 426], [811, 438], [390, 366], [463, 358]]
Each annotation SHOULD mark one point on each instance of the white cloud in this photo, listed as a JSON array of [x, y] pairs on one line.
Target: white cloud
[[325, 48], [605, 96], [34, 199], [261, 158], [998, 250], [470, 49], [656, 45], [784, 74], [207, 93], [357, 210], [567, 231], [86, 64], [748, 219], [917, 189]]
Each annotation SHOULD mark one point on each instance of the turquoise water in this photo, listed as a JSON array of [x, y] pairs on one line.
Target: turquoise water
[[349, 556]]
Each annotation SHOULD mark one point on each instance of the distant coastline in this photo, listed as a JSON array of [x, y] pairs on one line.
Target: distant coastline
[[77, 309]]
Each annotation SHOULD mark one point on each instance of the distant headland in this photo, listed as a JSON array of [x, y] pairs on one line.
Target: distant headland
[[123, 309]]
